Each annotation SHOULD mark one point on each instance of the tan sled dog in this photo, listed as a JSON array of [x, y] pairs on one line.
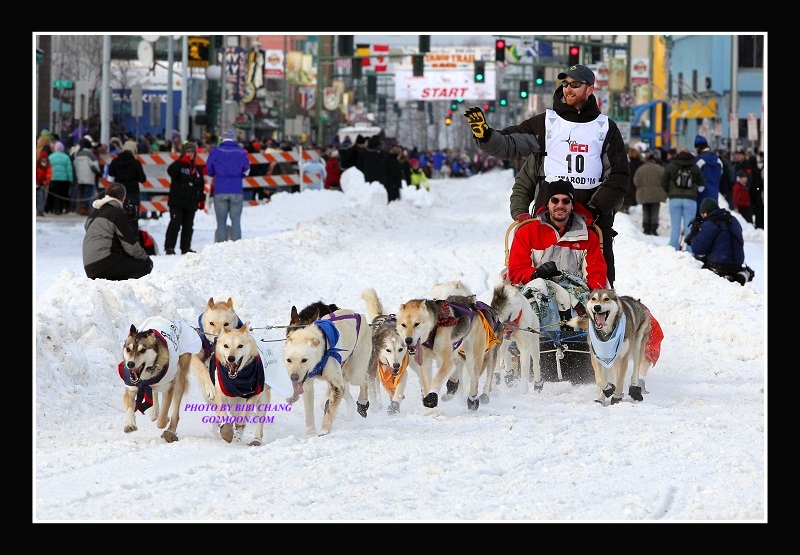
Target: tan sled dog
[[618, 330], [155, 368], [243, 384], [216, 318], [433, 330], [336, 348]]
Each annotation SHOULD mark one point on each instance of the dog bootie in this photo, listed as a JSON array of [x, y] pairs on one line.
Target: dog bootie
[[362, 408], [635, 391], [394, 408], [431, 400], [641, 384], [452, 387]]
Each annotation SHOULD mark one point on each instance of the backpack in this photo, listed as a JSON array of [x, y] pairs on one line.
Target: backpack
[[684, 179], [146, 240]]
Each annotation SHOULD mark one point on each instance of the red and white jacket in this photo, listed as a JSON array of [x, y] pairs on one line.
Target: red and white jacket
[[576, 252]]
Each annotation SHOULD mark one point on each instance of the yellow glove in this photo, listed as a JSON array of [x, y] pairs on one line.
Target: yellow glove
[[477, 122]]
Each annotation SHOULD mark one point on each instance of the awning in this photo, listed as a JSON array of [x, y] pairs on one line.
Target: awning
[[695, 109]]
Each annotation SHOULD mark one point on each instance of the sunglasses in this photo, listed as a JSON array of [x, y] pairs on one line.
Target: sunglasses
[[573, 84], [565, 201]]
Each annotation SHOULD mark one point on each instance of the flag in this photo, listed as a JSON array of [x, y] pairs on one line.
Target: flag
[[545, 48], [512, 54], [380, 62], [363, 51]]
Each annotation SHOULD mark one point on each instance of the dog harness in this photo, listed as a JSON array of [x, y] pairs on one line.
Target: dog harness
[[249, 380], [332, 338], [175, 335], [606, 350]]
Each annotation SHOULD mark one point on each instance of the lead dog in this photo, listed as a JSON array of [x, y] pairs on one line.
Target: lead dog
[[389, 359], [433, 330], [243, 385], [155, 368], [618, 331], [216, 318], [335, 348]]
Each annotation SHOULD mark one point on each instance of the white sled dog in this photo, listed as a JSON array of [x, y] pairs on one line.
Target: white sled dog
[[241, 380], [618, 332], [336, 348], [155, 368], [520, 324], [389, 360]]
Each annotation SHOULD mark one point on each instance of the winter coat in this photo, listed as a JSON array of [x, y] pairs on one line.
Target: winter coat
[[576, 252], [711, 166], [186, 186], [87, 167], [372, 163], [62, 167], [647, 180], [228, 164], [393, 177], [680, 161], [109, 237], [128, 171], [741, 195], [317, 168], [333, 173], [418, 178], [44, 171], [528, 138], [719, 240], [630, 195]]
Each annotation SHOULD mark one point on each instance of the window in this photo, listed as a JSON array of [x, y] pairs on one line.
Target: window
[[751, 51]]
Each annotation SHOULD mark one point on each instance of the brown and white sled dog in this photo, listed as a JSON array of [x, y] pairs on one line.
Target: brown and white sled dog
[[243, 385], [389, 360], [618, 330], [335, 348], [216, 318], [155, 368], [433, 331], [521, 325]]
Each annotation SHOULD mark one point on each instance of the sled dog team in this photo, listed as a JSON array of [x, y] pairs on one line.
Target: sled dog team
[[451, 328]]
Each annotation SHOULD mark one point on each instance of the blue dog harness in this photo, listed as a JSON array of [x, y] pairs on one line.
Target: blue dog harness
[[332, 338]]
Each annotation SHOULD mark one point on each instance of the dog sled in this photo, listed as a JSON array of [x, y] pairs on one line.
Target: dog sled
[[563, 350]]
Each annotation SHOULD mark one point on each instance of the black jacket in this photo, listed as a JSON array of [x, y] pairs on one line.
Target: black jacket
[[186, 187], [128, 171], [519, 141]]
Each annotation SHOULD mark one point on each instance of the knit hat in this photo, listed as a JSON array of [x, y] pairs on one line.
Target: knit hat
[[130, 145], [59, 146], [560, 187], [414, 163], [187, 146], [708, 205], [230, 134], [700, 140]]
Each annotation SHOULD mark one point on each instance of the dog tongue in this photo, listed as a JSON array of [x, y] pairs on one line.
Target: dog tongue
[[599, 319], [418, 353], [298, 390]]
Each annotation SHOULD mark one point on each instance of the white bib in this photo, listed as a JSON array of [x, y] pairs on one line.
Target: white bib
[[574, 150]]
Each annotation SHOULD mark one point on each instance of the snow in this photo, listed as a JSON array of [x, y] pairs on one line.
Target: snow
[[694, 450]]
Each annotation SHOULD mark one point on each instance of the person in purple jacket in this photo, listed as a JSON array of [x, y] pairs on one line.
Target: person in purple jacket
[[228, 164]]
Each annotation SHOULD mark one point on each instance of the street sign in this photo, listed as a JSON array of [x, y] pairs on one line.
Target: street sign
[[62, 84]]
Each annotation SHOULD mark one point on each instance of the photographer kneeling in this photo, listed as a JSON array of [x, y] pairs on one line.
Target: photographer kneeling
[[717, 241], [111, 248]]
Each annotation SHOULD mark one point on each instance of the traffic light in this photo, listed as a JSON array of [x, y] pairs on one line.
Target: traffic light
[[372, 86], [480, 71], [500, 50], [356, 66], [448, 120], [539, 76], [419, 65], [503, 98], [574, 54], [453, 106], [491, 105], [485, 106], [523, 89]]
